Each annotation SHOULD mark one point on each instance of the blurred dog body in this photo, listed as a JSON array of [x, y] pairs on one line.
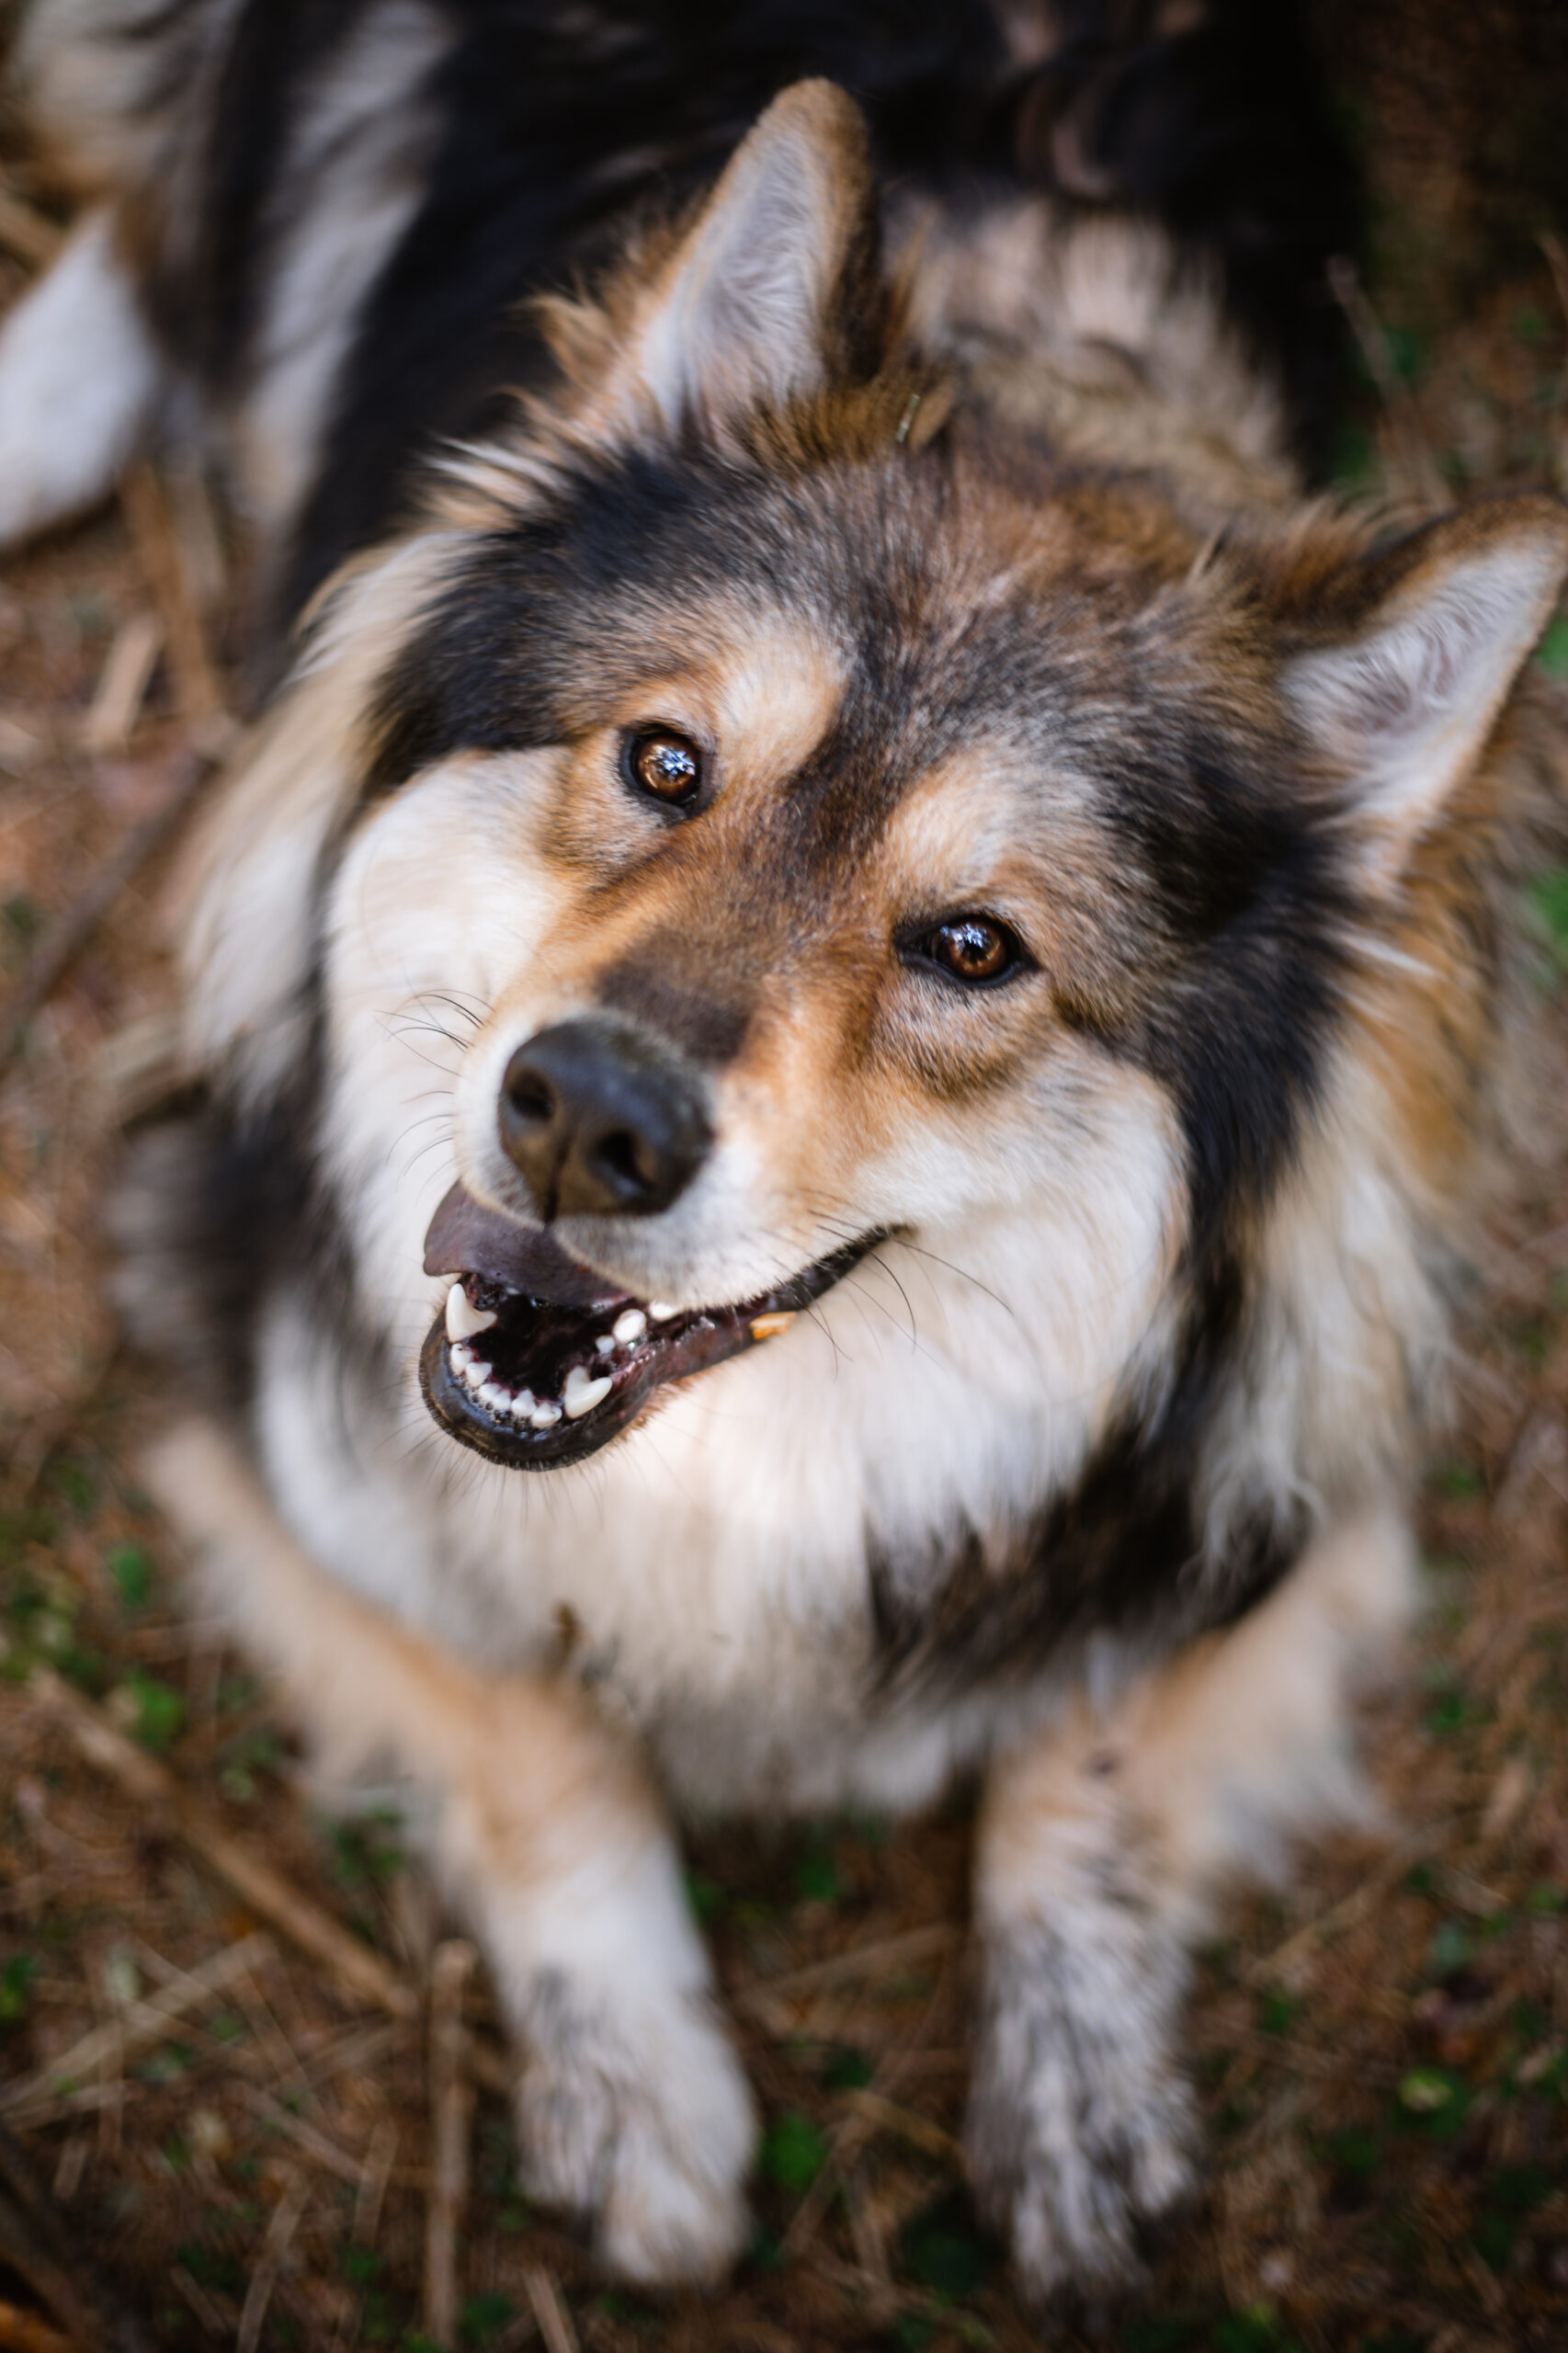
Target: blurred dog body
[[856, 993]]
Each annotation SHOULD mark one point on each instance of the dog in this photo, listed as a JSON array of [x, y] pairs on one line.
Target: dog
[[849, 1009]]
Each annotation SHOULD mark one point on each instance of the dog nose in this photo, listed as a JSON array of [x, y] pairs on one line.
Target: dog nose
[[603, 1119]]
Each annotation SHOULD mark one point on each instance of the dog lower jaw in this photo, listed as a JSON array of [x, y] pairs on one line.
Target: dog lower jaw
[[535, 1384]]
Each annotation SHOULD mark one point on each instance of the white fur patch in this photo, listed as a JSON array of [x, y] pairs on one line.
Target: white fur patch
[[79, 382]]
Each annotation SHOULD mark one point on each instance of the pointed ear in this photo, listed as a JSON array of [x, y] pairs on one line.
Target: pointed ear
[[1435, 632], [774, 291]]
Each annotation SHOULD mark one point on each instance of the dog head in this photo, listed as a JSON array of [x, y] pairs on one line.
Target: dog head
[[833, 815]]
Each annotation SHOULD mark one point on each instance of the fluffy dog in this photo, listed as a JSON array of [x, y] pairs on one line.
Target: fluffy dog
[[854, 995]]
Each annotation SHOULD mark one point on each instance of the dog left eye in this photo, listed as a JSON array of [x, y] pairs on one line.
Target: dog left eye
[[972, 949], [665, 763]]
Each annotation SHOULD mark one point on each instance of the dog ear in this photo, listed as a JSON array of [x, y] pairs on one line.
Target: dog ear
[[1435, 632], [774, 291]]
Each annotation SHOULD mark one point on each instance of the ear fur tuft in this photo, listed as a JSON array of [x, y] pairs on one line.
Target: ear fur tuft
[[1404, 705], [774, 291]]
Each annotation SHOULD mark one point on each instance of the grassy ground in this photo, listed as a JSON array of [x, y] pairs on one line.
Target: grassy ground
[[1383, 2057]]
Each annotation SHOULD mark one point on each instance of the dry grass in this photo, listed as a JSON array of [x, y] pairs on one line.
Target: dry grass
[[249, 2145]]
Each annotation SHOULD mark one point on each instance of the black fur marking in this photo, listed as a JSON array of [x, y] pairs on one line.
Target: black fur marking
[[1253, 889], [1121, 1552], [491, 669], [215, 1210], [237, 1205], [474, 679]]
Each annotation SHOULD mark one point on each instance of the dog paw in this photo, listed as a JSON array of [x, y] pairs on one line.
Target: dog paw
[[1080, 2133], [640, 2122]]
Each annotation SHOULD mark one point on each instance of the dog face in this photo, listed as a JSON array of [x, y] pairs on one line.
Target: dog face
[[834, 828], [816, 847]]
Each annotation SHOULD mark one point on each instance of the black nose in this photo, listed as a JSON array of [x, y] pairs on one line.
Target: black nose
[[603, 1119]]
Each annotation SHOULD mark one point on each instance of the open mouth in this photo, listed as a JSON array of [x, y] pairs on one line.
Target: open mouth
[[536, 1360]]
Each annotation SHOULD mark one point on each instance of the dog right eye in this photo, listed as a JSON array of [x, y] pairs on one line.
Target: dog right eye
[[977, 951], [663, 762]]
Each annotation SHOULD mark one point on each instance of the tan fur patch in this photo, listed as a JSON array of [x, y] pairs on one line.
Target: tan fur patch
[[1242, 1741]]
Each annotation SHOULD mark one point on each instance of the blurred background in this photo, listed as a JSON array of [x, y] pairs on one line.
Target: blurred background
[[217, 2092]]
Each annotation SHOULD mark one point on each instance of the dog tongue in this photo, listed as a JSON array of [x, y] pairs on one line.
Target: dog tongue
[[465, 1238]]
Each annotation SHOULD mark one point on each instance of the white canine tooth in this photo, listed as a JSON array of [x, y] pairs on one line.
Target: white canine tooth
[[628, 1327], [464, 1321], [545, 1416], [499, 1400], [661, 1311], [605, 1344], [581, 1394], [477, 1374]]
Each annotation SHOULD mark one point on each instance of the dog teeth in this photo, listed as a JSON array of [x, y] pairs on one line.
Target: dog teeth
[[462, 1319], [582, 1391], [581, 1394], [768, 1327], [661, 1311]]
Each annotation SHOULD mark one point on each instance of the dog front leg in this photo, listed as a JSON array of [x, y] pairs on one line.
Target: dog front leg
[[1101, 1847], [544, 1829]]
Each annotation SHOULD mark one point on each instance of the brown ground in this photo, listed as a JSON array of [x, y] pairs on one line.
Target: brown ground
[[1383, 2057]]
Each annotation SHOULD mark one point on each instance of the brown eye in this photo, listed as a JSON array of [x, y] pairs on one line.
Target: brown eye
[[971, 948], [668, 765]]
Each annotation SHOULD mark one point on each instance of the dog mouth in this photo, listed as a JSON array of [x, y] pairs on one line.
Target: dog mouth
[[536, 1360]]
